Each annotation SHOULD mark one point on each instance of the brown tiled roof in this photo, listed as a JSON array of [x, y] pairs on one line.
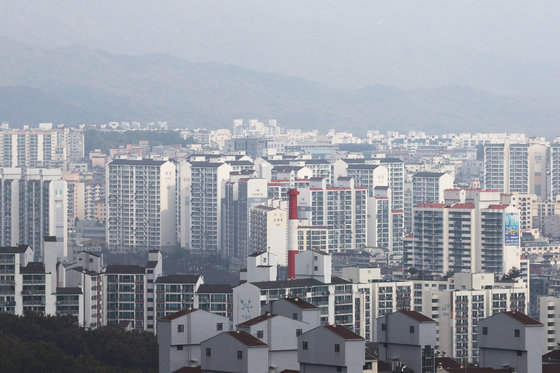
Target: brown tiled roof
[[522, 318], [289, 371], [125, 269], [258, 319], [301, 303], [33, 267], [214, 288], [178, 314], [14, 249], [151, 264], [246, 338], [447, 362], [177, 279], [342, 331], [552, 355], [417, 316]]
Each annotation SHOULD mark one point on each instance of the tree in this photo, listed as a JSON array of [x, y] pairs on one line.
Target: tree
[[512, 274]]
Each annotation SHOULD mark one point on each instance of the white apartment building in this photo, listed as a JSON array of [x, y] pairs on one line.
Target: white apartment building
[[240, 197], [554, 180], [550, 318], [429, 187], [33, 204], [342, 209], [268, 232], [313, 237], [141, 204], [207, 192], [471, 232], [507, 167]]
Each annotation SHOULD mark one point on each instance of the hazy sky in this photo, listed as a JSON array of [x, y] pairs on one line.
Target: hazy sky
[[488, 44]]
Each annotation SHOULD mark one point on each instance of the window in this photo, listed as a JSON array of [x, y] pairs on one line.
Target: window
[[484, 330], [260, 334], [219, 326], [298, 332], [208, 352], [304, 345], [315, 268], [516, 333], [336, 347], [239, 355], [519, 353], [339, 369], [294, 316], [383, 327], [180, 348], [180, 328], [411, 329]]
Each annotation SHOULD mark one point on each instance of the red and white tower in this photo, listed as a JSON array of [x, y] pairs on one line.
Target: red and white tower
[[292, 233]]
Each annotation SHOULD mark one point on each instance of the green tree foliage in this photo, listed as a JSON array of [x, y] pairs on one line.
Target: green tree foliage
[[105, 140], [512, 274], [35, 343]]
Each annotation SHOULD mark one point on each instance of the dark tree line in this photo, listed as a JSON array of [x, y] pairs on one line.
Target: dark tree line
[[36, 343]]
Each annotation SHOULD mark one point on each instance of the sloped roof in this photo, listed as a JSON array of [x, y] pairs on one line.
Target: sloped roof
[[343, 332], [246, 338]]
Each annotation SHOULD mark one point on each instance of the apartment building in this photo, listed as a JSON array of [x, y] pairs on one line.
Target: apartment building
[[216, 298], [176, 292], [268, 232], [207, 192], [40, 147], [342, 209], [141, 205], [313, 237], [429, 187], [33, 204], [472, 231], [507, 168], [240, 197]]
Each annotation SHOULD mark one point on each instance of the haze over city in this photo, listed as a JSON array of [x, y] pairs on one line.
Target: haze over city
[[280, 187], [419, 64]]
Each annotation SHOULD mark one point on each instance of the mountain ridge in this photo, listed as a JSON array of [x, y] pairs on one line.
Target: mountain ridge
[[80, 85]]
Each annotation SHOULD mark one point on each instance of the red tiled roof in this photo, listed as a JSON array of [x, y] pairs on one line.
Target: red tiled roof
[[468, 205], [433, 205], [498, 207]]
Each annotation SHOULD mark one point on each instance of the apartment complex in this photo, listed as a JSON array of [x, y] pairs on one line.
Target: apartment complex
[[141, 205]]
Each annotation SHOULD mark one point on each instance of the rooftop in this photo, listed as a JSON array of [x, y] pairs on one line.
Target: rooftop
[[177, 279], [301, 303], [247, 339], [522, 318], [343, 332], [14, 249], [214, 288], [124, 268], [258, 319], [417, 316], [178, 314]]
